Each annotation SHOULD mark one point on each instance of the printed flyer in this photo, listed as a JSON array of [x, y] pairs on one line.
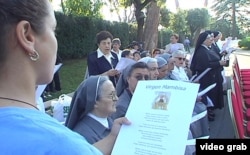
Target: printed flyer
[[160, 113]]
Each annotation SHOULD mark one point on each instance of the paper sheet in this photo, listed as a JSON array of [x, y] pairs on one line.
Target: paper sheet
[[160, 119], [198, 116], [193, 77], [123, 63], [206, 90], [201, 75]]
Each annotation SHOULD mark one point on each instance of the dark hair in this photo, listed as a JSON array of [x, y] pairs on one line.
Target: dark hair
[[14, 11], [144, 54], [136, 52], [156, 49], [103, 35], [141, 65], [125, 53]]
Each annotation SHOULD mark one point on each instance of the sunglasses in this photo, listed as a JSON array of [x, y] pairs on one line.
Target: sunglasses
[[141, 77], [179, 58]]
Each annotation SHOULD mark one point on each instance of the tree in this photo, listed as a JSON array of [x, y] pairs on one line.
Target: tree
[[89, 8], [165, 17], [140, 16], [178, 23], [124, 10], [221, 25], [234, 11], [151, 26], [197, 19], [139, 8]]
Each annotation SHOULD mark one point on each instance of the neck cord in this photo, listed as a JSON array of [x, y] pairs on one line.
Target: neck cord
[[5, 98]]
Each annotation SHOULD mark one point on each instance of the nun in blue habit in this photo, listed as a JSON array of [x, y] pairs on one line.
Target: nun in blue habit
[[91, 107]]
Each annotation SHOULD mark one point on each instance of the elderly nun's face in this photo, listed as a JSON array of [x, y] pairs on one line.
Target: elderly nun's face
[[106, 104], [209, 40]]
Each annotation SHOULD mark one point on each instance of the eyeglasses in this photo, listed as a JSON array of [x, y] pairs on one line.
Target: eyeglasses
[[113, 96], [141, 77], [152, 68], [179, 58]]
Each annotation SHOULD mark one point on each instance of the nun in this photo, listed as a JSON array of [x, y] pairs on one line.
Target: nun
[[204, 58], [126, 86], [162, 68], [91, 106]]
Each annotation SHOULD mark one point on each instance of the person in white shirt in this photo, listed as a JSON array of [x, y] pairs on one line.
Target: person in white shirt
[[179, 72], [174, 45], [116, 44]]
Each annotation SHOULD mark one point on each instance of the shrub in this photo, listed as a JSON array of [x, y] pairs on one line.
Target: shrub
[[245, 43]]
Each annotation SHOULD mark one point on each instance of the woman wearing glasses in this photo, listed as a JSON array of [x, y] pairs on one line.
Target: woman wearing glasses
[[179, 72], [126, 86], [92, 104], [204, 58]]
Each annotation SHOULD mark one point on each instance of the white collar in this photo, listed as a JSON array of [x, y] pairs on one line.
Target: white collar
[[100, 54], [103, 121]]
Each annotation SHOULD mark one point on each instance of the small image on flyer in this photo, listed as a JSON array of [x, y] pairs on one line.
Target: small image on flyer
[[161, 101]]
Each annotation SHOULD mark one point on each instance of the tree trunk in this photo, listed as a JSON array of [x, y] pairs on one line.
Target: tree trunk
[[234, 31], [196, 35], [63, 7], [151, 27], [140, 23]]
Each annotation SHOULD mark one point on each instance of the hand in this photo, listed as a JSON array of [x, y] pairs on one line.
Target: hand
[[112, 72], [117, 125]]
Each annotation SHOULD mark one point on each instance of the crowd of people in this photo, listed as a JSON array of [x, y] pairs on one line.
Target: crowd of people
[[100, 102], [171, 63]]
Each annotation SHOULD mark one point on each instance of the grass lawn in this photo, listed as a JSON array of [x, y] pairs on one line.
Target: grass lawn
[[71, 75]]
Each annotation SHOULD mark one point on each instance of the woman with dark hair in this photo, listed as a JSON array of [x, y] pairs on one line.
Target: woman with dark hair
[[204, 58], [103, 61], [92, 104], [127, 54], [28, 49]]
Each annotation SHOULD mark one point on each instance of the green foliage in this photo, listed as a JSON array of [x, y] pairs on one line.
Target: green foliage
[[163, 37], [90, 8], [76, 35], [71, 75], [165, 17], [244, 43], [197, 18], [234, 12], [178, 23]]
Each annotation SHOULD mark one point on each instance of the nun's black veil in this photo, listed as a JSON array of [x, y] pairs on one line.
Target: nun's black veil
[[202, 37]]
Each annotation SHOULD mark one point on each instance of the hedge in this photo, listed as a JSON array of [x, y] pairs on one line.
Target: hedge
[[76, 35]]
